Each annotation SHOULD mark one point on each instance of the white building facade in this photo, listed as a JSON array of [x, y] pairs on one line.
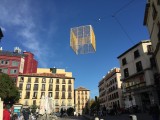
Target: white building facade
[[137, 76]]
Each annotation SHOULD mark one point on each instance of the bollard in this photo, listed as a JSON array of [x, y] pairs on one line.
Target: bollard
[[133, 117], [96, 118]]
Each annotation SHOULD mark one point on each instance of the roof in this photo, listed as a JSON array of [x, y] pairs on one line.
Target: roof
[[144, 41], [8, 53], [82, 89], [50, 75]]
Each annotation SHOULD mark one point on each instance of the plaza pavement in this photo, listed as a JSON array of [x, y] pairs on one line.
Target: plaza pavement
[[140, 116]]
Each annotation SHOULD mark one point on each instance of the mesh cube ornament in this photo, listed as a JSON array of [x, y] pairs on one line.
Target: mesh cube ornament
[[82, 39]]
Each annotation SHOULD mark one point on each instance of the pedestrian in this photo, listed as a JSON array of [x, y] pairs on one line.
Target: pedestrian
[[115, 108], [6, 113], [26, 114], [154, 111]]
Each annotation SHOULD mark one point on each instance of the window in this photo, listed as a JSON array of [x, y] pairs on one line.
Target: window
[[27, 95], [63, 81], [153, 62], [154, 12], [34, 102], [29, 79], [57, 81], [28, 87], [63, 88], [13, 71], [43, 80], [69, 88], [21, 79], [36, 80], [124, 61], [126, 73], [4, 62], [15, 63], [50, 94], [149, 49], [63, 95], [158, 2], [69, 81], [43, 87], [139, 66], [20, 86], [35, 86], [57, 87], [51, 80], [57, 95], [42, 94], [35, 95], [136, 54], [50, 87], [4, 70], [69, 95]]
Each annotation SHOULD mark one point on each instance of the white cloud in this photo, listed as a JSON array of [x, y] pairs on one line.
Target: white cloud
[[19, 14]]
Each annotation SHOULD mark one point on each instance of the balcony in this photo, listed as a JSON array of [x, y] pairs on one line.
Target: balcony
[[136, 87], [63, 97], [57, 89], [50, 89], [42, 89], [57, 97]]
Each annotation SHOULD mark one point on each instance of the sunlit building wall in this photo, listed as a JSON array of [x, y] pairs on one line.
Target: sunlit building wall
[[82, 97], [57, 86]]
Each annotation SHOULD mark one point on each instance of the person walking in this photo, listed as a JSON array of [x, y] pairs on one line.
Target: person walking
[[6, 113], [154, 111], [26, 114]]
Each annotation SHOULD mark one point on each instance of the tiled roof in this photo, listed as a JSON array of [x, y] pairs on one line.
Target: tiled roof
[[82, 88], [45, 75]]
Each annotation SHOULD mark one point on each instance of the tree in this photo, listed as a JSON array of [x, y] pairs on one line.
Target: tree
[[8, 91]]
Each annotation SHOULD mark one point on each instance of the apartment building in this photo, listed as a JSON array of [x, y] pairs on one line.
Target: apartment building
[[137, 75], [58, 86], [102, 92], [110, 89], [152, 21], [11, 63], [82, 97], [14, 63]]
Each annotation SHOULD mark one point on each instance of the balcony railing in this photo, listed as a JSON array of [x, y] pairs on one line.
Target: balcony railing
[[136, 87], [57, 89], [57, 97]]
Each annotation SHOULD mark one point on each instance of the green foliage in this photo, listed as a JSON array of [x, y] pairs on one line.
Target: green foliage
[[33, 108], [8, 91], [70, 111]]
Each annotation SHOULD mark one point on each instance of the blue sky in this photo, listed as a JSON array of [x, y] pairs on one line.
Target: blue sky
[[43, 27]]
